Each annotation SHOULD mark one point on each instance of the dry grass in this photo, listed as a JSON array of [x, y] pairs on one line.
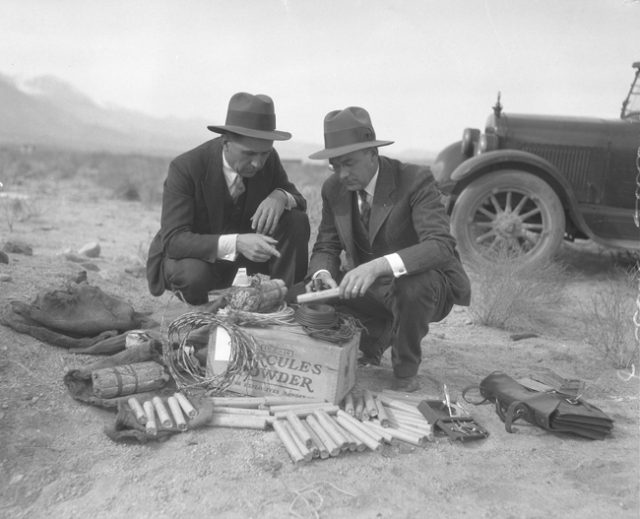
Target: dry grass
[[18, 208], [608, 318], [506, 296]]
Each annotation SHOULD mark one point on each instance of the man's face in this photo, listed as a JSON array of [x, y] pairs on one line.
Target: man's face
[[355, 169], [247, 155]]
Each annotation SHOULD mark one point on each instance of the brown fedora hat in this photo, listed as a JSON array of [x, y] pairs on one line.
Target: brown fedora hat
[[346, 131], [252, 116]]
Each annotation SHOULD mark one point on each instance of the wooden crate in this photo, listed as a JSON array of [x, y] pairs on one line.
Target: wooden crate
[[291, 363]]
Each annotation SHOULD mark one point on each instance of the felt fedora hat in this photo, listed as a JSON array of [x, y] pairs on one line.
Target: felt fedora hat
[[346, 131], [252, 116]]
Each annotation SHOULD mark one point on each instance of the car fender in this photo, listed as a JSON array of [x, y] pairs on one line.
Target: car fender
[[478, 165]]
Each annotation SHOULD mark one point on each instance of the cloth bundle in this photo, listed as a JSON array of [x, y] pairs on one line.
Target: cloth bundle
[[551, 409], [80, 381], [78, 316]]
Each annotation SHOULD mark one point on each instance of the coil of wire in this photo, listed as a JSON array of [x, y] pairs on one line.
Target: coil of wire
[[323, 322]]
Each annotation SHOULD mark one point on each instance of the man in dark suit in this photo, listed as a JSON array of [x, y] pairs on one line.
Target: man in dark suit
[[388, 218], [227, 204]]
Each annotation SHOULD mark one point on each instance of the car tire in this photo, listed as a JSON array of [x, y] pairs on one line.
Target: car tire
[[508, 215]]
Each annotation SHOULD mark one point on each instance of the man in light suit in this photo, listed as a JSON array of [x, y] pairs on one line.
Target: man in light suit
[[388, 218], [228, 203]]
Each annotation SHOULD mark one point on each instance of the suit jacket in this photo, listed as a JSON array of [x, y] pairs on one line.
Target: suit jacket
[[407, 218], [194, 213]]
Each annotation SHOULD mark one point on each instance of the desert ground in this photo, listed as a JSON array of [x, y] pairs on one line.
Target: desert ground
[[57, 462]]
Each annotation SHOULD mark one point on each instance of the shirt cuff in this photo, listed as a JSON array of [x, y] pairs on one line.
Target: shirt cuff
[[291, 202], [396, 264], [227, 247], [318, 272]]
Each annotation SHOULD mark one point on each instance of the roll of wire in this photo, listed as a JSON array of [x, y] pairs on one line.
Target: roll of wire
[[317, 316], [323, 322]]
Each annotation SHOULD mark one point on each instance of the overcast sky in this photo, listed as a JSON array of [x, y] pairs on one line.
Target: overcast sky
[[424, 69]]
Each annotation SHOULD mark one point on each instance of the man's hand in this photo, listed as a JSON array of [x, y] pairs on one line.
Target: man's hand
[[322, 281], [357, 281], [257, 247], [268, 213]]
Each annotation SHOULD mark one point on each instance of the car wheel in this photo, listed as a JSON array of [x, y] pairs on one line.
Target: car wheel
[[508, 215]]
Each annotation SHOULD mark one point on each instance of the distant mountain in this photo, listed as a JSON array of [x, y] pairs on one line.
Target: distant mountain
[[48, 111]]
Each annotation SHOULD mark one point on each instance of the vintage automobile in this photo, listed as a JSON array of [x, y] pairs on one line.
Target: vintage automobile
[[529, 181]]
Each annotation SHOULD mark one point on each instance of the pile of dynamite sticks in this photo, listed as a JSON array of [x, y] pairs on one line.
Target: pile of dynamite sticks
[[308, 429], [169, 413], [316, 429]]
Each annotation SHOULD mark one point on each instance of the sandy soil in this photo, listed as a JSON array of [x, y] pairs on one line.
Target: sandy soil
[[57, 462]]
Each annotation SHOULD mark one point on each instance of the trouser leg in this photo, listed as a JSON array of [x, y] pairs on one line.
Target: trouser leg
[[194, 278], [373, 311], [416, 301], [405, 306], [292, 234]]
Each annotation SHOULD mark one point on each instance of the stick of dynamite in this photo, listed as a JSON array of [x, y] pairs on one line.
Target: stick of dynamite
[[356, 431], [303, 408], [176, 412], [397, 404], [402, 434], [323, 452], [150, 413], [287, 441], [163, 414], [355, 444], [409, 419], [387, 437], [332, 447], [358, 406], [348, 404], [316, 297], [186, 406], [369, 404], [238, 421], [332, 430], [233, 401], [241, 410], [382, 413], [408, 398], [285, 400], [307, 455], [299, 429], [137, 410], [360, 425]]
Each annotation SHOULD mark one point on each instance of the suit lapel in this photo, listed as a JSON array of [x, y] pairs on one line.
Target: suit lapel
[[214, 185], [343, 217], [382, 199]]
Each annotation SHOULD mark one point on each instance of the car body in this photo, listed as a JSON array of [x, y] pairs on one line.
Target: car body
[[528, 182]]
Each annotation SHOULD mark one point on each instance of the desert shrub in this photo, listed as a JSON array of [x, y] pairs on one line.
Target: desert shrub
[[504, 295], [15, 208], [608, 318], [131, 177]]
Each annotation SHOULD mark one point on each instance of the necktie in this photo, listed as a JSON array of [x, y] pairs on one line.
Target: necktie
[[237, 188], [365, 208]]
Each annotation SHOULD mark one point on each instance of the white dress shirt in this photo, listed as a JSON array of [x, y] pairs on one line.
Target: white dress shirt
[[227, 242]]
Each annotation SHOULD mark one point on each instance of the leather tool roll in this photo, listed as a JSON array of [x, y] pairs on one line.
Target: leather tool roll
[[550, 410]]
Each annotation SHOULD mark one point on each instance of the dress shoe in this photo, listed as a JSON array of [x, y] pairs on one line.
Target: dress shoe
[[406, 384], [366, 360], [374, 341]]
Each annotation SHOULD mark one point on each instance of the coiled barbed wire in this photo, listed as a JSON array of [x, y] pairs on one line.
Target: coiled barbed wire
[[283, 316], [187, 371]]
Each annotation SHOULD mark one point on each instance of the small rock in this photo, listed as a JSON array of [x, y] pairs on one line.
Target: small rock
[[90, 250], [4, 278], [18, 247], [4, 258]]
